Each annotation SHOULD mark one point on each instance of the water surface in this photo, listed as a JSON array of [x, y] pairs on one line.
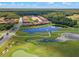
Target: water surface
[[41, 29]]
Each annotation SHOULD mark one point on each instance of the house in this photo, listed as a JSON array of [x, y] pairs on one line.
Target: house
[[36, 20], [4, 21], [43, 19], [25, 19]]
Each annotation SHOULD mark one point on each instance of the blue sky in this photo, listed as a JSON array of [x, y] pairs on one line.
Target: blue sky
[[39, 4]]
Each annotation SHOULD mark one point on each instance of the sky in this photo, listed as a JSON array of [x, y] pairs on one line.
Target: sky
[[39, 5]]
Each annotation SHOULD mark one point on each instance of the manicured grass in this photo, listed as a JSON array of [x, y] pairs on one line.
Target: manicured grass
[[4, 45], [69, 48], [35, 48], [30, 19], [24, 34], [74, 17], [71, 30], [31, 46], [21, 53], [36, 26]]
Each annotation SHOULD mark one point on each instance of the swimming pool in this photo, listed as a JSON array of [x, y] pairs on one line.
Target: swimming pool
[[41, 29]]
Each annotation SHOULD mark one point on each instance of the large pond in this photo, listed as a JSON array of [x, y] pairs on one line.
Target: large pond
[[41, 29]]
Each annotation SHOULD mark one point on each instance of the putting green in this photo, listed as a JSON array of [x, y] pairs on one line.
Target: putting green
[[22, 53]]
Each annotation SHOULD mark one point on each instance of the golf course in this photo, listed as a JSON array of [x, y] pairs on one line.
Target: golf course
[[40, 33]]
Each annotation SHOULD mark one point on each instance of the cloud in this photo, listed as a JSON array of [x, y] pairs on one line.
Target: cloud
[[51, 2], [67, 3], [40, 5]]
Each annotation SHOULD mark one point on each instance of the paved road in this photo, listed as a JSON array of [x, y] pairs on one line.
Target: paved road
[[11, 32]]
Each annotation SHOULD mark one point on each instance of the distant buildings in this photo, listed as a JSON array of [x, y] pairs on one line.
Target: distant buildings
[[34, 20], [5, 21]]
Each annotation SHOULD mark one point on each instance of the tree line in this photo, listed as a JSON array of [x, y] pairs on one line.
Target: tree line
[[61, 19], [9, 16], [6, 26]]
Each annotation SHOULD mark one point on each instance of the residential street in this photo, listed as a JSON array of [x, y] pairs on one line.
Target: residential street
[[11, 32]]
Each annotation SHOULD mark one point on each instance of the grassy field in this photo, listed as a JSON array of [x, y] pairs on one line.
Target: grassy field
[[30, 46], [33, 49], [21, 53], [74, 17], [30, 19], [24, 44], [68, 48]]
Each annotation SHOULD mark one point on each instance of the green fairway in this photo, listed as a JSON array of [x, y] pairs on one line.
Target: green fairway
[[21, 53], [29, 46], [38, 43]]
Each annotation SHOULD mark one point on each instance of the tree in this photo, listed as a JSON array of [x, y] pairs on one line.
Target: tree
[[9, 15], [60, 18]]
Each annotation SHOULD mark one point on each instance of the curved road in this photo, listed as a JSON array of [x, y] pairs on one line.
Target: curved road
[[11, 32]]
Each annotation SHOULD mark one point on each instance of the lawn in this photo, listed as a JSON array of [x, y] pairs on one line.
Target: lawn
[[30, 46], [33, 50], [21, 53], [74, 17], [26, 44], [68, 48], [30, 19]]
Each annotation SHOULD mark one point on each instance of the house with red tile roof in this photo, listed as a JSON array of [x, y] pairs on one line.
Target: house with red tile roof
[[36, 20]]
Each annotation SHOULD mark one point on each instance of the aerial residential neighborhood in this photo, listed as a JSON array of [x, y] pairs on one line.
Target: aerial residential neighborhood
[[34, 20], [39, 32], [3, 20]]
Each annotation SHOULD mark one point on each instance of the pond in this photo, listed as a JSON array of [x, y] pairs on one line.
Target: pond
[[48, 40], [41, 29]]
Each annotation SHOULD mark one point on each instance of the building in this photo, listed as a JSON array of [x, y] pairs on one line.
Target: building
[[36, 20], [25, 19], [4, 21]]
